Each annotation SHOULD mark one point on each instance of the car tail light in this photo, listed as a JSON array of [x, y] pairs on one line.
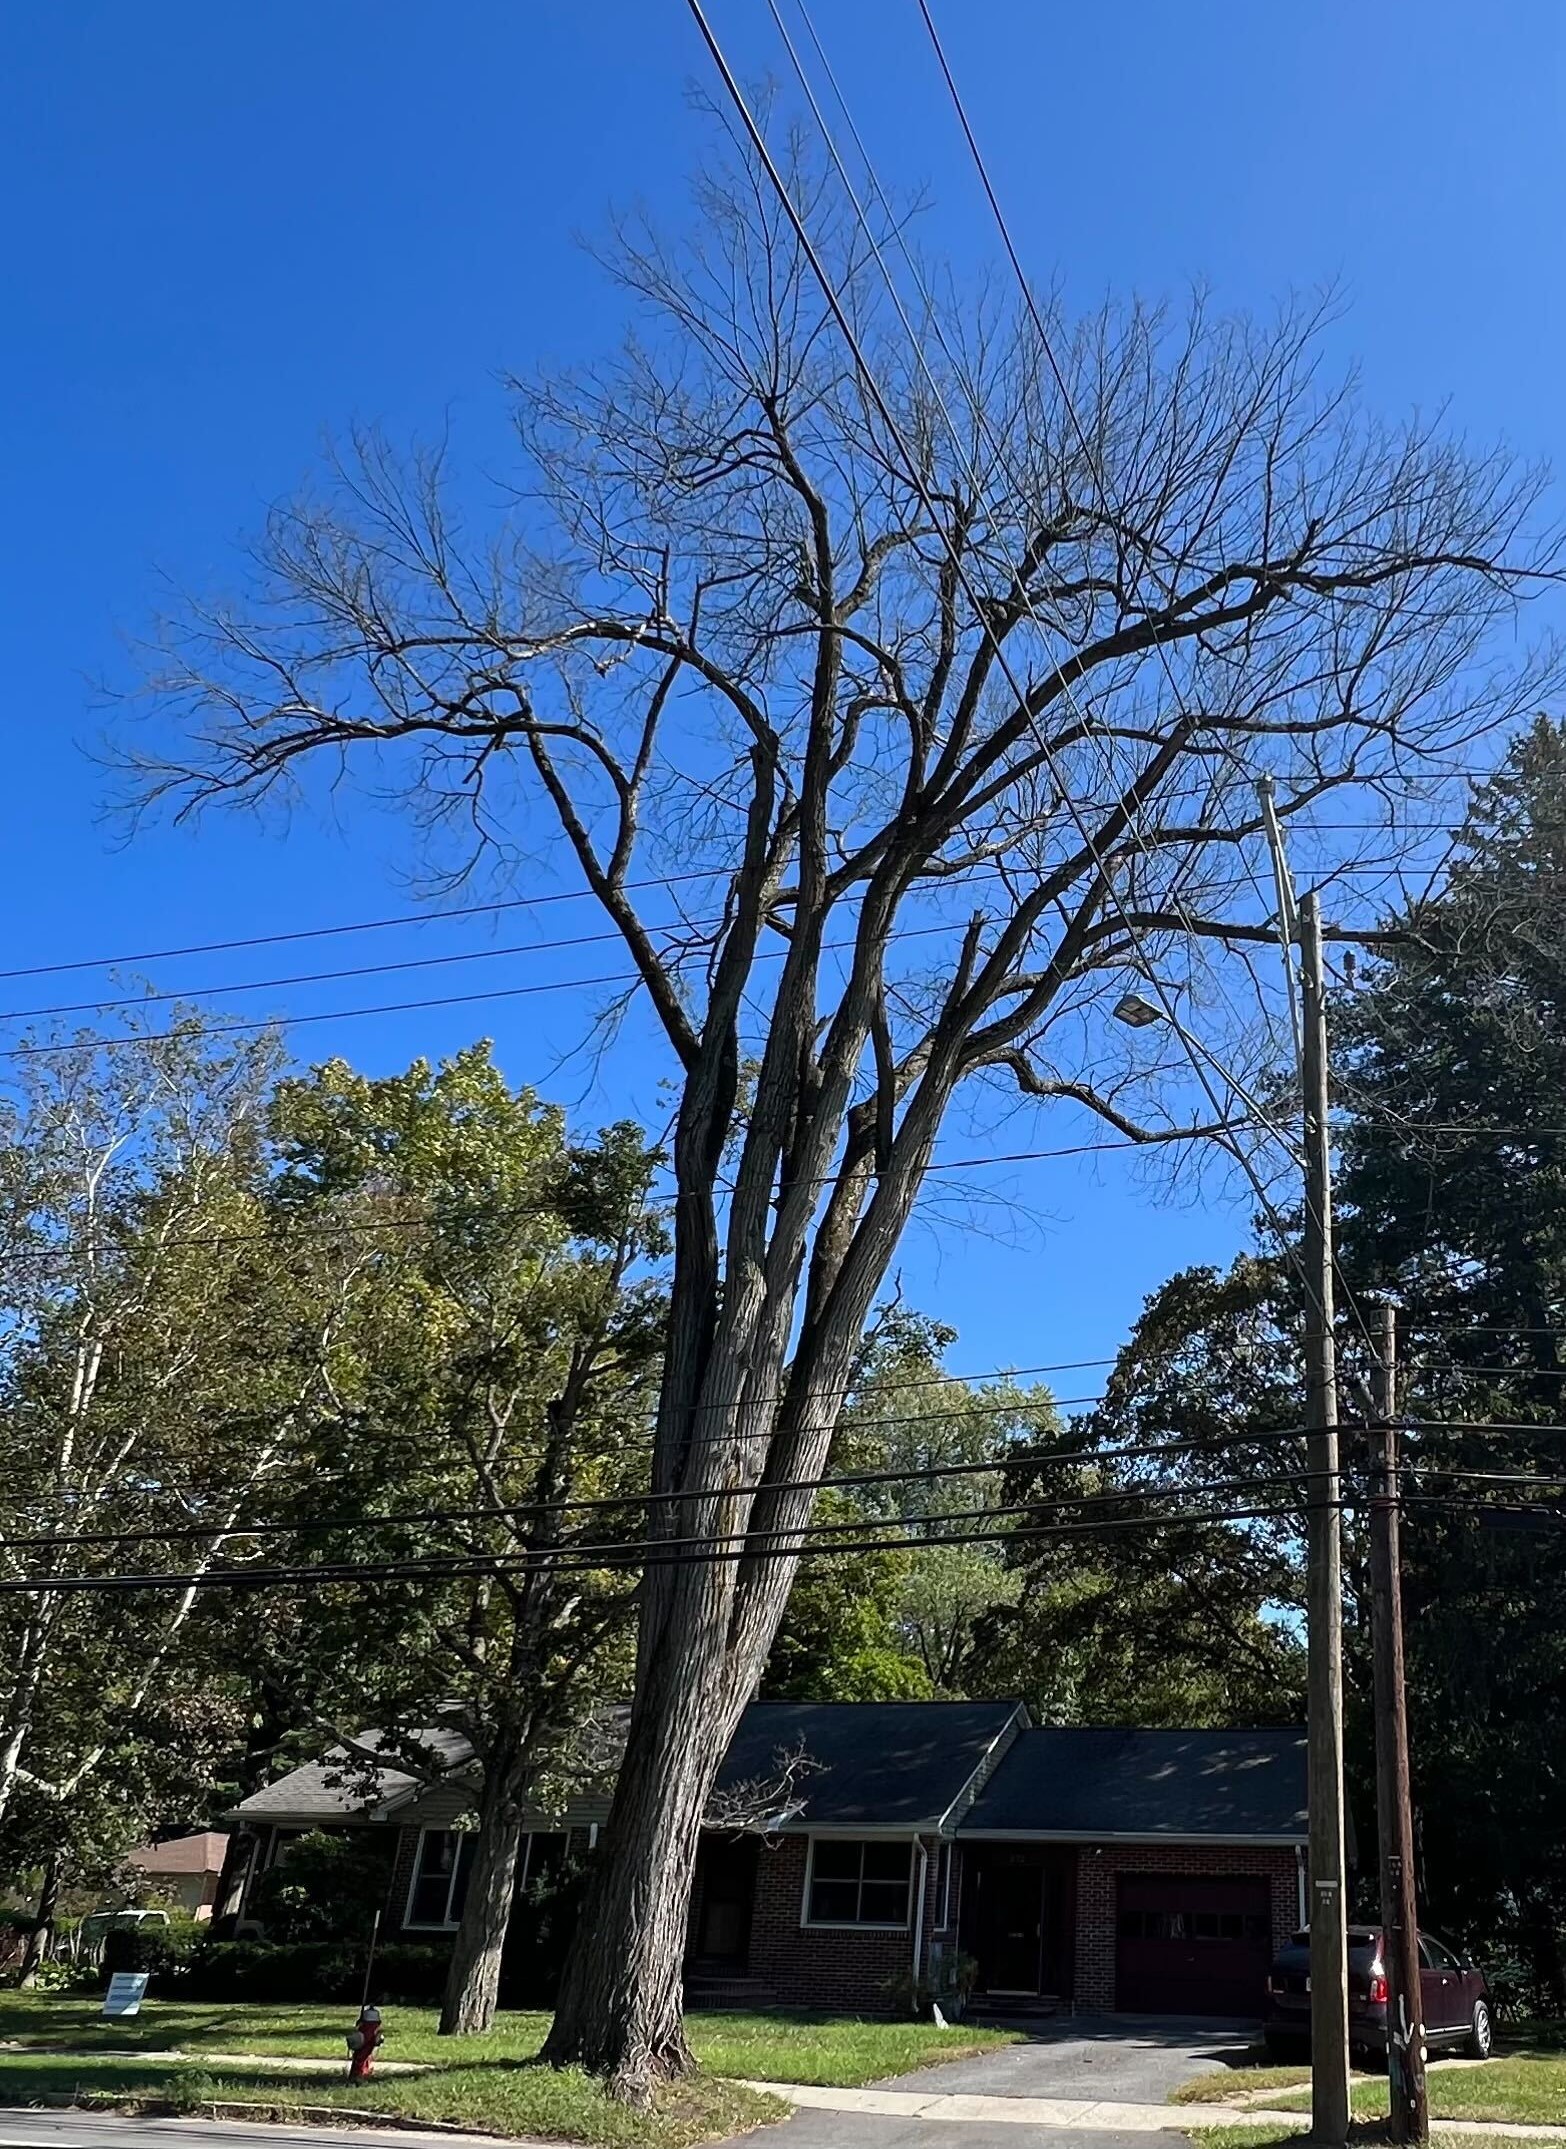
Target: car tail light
[[1378, 1985]]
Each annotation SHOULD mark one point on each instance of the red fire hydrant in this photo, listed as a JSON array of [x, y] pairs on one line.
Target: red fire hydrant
[[363, 2040]]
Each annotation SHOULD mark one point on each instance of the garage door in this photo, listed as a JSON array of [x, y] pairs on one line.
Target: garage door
[[1192, 1947]]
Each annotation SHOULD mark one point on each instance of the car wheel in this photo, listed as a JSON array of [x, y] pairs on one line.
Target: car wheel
[[1481, 2034]]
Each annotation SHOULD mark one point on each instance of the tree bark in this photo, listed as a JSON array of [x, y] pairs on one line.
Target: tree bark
[[620, 2013], [40, 1939], [473, 1981]]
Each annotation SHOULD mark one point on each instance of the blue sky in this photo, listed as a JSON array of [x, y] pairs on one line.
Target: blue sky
[[234, 230]]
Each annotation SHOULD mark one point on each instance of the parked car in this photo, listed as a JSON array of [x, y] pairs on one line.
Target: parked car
[[1458, 2010]]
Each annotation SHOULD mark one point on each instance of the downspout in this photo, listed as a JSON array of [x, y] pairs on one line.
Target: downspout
[[1299, 1881], [918, 1933]]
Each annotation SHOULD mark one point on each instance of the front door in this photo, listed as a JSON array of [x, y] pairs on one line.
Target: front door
[[1007, 1918], [726, 1890]]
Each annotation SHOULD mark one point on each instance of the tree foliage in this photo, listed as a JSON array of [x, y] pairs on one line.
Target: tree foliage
[[1454, 1175]]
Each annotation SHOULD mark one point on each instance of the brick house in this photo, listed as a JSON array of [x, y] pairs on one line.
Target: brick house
[[1148, 1871]]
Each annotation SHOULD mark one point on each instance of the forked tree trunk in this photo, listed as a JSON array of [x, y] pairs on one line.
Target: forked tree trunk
[[473, 1980]]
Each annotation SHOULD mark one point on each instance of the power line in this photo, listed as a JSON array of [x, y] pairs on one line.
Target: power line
[[360, 925], [924, 1473], [432, 1220], [398, 1007], [276, 1577]]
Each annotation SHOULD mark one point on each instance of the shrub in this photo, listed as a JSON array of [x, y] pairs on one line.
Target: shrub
[[543, 1920], [275, 1973], [325, 1887]]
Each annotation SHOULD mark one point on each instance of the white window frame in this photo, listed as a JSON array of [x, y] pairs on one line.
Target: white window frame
[[524, 1869], [853, 1925], [425, 1925]]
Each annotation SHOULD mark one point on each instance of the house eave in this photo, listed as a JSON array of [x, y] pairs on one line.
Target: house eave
[[1144, 1837], [281, 1817]]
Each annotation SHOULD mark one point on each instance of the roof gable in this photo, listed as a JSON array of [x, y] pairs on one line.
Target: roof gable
[[877, 1764]]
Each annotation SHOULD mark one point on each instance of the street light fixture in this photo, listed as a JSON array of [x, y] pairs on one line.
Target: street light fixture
[[1136, 1011]]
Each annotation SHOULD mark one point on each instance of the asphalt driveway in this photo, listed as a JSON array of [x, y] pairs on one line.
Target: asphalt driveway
[[1124, 2059], [1093, 2082]]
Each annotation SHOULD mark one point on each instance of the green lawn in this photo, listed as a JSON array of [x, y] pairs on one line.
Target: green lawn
[[1226, 2082], [1527, 2083], [1276, 2137], [1262, 2137], [1532, 2090], [492, 2083]]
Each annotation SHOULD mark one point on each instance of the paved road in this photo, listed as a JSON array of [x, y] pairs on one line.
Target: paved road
[[1130, 2059], [114, 2130]]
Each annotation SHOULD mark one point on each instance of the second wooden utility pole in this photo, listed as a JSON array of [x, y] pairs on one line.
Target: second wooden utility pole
[[1394, 1806], [1329, 2062]]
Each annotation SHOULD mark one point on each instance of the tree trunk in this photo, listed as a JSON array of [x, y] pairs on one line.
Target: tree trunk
[[473, 1981], [40, 1939], [620, 2013]]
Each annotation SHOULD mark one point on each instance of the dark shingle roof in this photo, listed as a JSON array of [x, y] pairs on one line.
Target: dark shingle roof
[[879, 1764], [1092, 1783]]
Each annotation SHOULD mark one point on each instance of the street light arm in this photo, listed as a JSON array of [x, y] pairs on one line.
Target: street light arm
[[1180, 921]]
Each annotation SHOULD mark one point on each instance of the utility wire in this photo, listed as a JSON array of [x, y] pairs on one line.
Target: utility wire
[[1351, 1302], [398, 1007], [277, 1577], [924, 1473], [1193, 1051]]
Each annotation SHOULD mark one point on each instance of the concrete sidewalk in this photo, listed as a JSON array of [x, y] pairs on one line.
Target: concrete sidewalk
[[1098, 2116]]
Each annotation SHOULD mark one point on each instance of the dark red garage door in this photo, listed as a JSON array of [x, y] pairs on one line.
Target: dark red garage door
[[1192, 1947]]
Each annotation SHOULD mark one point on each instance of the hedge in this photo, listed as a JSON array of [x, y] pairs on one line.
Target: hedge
[[302, 1971]]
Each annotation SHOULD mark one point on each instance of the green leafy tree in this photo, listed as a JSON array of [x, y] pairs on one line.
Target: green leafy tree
[[1133, 1604], [498, 1362], [1454, 1184], [136, 1410]]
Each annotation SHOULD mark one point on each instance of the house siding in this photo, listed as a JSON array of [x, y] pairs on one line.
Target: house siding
[[1099, 1867]]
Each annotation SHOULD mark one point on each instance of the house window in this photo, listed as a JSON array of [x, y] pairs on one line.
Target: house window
[[943, 1886], [854, 1883], [440, 1873], [440, 1878], [543, 1856]]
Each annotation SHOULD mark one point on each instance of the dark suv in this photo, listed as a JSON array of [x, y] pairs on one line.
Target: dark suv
[[1456, 1997]]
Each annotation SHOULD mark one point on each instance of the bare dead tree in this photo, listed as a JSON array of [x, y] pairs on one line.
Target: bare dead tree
[[763, 1801], [956, 747]]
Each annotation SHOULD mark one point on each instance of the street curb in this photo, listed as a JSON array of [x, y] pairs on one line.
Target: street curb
[[320, 2115]]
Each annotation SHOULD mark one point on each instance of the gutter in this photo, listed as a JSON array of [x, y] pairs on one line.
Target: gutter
[[918, 1931], [1143, 1837]]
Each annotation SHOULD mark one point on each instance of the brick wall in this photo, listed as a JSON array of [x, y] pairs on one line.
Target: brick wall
[[836, 1966], [1098, 1869]]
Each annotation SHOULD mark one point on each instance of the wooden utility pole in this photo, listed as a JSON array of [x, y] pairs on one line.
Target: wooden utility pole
[[1329, 2063], [1394, 1808]]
